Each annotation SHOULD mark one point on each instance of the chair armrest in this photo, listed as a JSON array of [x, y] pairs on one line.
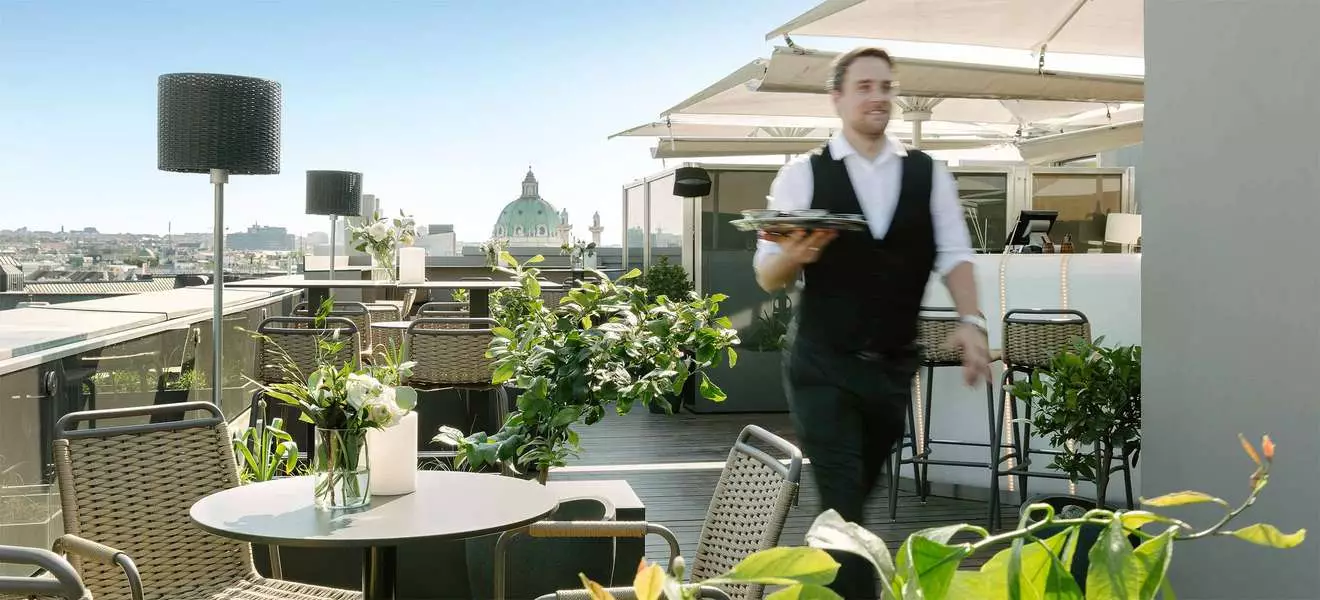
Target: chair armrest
[[67, 583], [704, 592], [580, 529], [88, 550]]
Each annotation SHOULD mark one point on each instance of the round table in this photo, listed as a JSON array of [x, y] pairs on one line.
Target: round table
[[446, 505]]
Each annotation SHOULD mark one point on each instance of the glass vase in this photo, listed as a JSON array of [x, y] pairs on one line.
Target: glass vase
[[384, 267], [341, 471]]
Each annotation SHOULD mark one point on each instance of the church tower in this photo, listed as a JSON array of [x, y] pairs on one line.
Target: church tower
[[595, 229]]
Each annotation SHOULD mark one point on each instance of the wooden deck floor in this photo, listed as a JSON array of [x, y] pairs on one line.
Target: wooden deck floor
[[661, 456]]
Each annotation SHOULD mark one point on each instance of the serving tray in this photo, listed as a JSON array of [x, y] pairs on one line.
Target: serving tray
[[783, 224]]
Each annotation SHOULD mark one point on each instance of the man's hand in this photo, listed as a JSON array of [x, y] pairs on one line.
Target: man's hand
[[801, 247], [975, 350]]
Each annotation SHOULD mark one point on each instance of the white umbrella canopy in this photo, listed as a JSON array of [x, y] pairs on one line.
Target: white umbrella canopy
[[1110, 115], [802, 70], [723, 147], [1083, 142], [739, 94], [733, 126], [1098, 27]]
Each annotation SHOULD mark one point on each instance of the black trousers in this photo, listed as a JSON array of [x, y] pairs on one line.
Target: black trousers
[[849, 411]]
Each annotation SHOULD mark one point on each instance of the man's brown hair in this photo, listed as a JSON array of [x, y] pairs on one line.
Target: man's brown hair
[[841, 63]]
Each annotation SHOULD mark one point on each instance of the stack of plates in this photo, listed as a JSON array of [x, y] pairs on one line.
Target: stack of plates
[[775, 221]]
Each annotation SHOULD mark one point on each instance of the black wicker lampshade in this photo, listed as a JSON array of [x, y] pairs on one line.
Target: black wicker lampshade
[[334, 193], [691, 182], [207, 121]]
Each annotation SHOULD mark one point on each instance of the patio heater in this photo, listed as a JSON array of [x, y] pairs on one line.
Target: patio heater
[[221, 125], [691, 182], [334, 193]]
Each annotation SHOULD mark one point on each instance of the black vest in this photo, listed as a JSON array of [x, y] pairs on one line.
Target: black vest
[[864, 294]]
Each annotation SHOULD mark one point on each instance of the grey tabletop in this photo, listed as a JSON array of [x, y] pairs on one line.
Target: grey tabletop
[[446, 505]]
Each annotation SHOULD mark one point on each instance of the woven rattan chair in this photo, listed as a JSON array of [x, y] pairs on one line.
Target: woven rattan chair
[[704, 592], [934, 326], [746, 515], [63, 583], [409, 299], [357, 312], [380, 312], [442, 310], [1032, 337], [126, 491], [451, 354]]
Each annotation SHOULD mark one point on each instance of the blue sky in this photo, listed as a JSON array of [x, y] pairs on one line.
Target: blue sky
[[442, 104]]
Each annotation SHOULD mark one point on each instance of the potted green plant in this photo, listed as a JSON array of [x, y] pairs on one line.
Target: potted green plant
[[756, 385], [266, 451], [606, 346], [669, 280], [1087, 404], [1033, 565]]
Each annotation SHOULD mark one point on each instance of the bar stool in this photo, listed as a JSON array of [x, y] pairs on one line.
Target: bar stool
[[934, 326], [1032, 337]]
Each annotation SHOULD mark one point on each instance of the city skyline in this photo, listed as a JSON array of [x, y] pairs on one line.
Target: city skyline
[[442, 106]]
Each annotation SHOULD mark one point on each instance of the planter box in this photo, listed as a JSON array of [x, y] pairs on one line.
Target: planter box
[[755, 384], [30, 520]]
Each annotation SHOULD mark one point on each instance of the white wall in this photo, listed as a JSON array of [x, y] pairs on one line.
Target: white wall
[[1230, 279]]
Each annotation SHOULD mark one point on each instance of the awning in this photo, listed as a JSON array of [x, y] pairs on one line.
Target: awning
[[738, 94], [720, 130], [807, 71], [1085, 142], [1100, 27], [716, 147], [730, 127]]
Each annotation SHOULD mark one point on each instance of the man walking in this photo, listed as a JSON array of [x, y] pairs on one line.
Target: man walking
[[851, 358]]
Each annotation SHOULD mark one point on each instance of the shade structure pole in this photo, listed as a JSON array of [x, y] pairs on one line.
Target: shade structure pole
[[916, 134], [219, 177]]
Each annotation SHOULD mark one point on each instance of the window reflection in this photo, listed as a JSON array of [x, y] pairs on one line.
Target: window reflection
[[1082, 201], [984, 198], [634, 235], [666, 221]]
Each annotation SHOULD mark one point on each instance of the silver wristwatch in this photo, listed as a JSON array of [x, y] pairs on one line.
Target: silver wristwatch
[[974, 320]]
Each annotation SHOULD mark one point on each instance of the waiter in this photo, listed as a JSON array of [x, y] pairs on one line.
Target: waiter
[[852, 356]]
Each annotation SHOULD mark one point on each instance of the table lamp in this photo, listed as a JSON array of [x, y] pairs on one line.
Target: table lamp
[[334, 193], [221, 125], [1123, 228]]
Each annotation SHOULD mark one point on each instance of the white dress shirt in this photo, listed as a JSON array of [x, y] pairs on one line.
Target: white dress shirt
[[877, 183]]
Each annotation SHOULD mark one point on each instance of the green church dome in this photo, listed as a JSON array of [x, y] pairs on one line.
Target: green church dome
[[528, 216]]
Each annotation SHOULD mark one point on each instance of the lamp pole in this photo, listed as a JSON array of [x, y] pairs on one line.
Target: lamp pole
[[219, 177]]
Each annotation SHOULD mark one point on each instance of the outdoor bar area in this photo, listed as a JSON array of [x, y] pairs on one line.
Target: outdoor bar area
[[1098, 275]]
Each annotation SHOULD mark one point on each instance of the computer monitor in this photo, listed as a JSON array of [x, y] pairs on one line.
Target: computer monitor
[[1032, 227]]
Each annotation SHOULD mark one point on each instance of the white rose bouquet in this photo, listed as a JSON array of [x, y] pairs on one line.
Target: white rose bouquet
[[381, 237], [343, 403]]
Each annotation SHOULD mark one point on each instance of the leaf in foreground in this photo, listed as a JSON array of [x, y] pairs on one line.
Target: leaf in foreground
[[1269, 535]]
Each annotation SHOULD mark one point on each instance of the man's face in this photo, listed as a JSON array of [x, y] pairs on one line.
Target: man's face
[[863, 102]]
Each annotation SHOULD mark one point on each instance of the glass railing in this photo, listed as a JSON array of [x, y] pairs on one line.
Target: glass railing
[[140, 350]]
